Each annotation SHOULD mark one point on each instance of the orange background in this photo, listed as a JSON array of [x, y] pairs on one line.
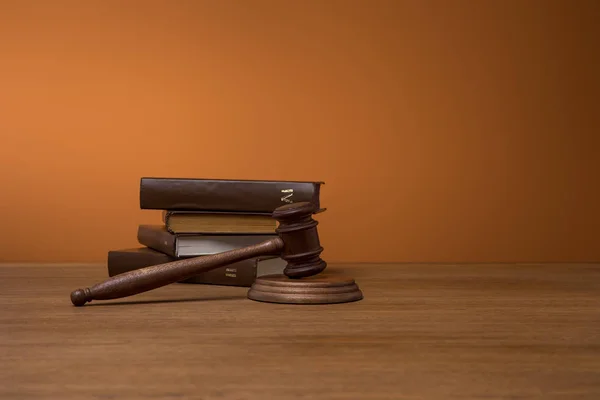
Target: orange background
[[445, 130]]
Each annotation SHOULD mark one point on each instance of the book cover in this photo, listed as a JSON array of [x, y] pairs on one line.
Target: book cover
[[157, 237], [242, 273], [161, 193], [218, 222]]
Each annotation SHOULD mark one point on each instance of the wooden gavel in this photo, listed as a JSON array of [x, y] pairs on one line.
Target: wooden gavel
[[297, 243]]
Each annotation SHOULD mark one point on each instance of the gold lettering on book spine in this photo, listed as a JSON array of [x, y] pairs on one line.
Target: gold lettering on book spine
[[286, 198]]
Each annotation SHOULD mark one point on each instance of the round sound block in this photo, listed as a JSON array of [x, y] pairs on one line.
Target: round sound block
[[317, 289]]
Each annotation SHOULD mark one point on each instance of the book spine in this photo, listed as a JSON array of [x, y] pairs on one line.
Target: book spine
[[224, 195], [242, 273], [161, 241], [119, 262]]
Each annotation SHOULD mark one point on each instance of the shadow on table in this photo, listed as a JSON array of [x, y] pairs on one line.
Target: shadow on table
[[105, 303]]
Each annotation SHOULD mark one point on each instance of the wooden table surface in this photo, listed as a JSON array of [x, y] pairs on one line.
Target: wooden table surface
[[421, 332]]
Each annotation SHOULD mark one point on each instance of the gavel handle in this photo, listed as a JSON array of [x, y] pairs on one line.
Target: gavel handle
[[148, 278]]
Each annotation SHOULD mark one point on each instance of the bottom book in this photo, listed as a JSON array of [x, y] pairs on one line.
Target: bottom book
[[241, 273]]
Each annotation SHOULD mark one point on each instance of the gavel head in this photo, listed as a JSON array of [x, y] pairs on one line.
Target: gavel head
[[301, 246]]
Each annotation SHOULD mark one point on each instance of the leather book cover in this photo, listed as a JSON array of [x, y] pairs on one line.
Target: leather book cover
[[157, 237], [159, 193], [242, 273]]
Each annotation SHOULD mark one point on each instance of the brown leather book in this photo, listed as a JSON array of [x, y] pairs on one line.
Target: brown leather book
[[242, 195], [242, 273], [221, 222], [157, 237]]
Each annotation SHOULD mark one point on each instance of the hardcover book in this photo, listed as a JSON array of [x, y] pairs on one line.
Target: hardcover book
[[242, 273], [157, 237], [265, 196], [221, 222]]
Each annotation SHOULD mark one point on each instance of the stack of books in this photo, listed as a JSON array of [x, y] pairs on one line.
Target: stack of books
[[208, 216]]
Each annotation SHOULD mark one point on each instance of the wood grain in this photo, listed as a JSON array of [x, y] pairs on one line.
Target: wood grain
[[297, 243], [421, 332]]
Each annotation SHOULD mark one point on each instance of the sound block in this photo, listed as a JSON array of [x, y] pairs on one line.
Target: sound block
[[317, 289]]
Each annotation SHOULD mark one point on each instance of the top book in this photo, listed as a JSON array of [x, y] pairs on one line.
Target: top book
[[235, 195]]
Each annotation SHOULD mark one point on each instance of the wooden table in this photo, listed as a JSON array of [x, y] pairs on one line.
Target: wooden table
[[421, 332]]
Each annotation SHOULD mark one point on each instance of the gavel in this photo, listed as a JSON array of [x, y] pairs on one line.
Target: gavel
[[297, 242]]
